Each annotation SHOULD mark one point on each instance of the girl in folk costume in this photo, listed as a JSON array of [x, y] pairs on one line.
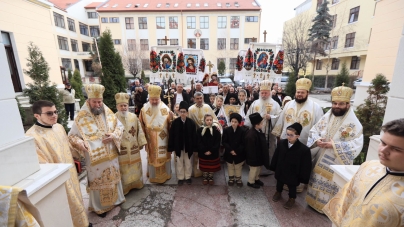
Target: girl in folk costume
[[285, 100], [208, 149], [219, 111]]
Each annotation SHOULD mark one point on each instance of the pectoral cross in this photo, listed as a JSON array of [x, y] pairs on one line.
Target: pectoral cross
[[265, 36], [168, 96], [190, 43], [166, 39], [210, 65]]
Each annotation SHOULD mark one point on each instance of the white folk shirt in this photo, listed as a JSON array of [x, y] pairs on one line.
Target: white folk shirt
[[179, 98]]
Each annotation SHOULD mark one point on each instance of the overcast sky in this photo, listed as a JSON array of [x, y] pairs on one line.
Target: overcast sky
[[273, 15]]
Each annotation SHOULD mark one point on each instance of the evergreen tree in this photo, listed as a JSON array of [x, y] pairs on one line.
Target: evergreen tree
[[113, 73], [41, 89], [343, 76], [371, 113], [290, 88], [69, 74], [319, 33], [145, 80], [221, 68], [77, 85]]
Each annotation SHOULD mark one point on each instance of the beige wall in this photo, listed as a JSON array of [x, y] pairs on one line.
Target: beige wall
[[28, 21]]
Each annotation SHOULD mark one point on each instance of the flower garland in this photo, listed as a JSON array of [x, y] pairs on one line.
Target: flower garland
[[180, 63], [154, 61], [239, 64], [202, 65], [248, 60], [278, 63]]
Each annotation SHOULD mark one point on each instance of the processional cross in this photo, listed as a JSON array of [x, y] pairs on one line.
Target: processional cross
[[166, 39], [210, 65], [168, 96], [265, 36]]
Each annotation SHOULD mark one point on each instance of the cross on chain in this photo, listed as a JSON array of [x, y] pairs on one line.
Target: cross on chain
[[378, 212], [166, 39], [87, 124], [265, 36], [210, 65]]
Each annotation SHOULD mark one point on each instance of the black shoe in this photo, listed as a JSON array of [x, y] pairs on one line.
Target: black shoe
[[189, 181], [103, 215], [180, 182], [260, 183], [253, 185]]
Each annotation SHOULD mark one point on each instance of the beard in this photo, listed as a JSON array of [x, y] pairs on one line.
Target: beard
[[123, 113], [155, 109], [302, 100], [338, 112], [97, 111]]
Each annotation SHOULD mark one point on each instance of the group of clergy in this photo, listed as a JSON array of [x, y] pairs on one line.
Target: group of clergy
[[111, 142]]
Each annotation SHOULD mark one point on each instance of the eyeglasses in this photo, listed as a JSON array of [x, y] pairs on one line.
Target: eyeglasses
[[50, 113], [183, 111], [290, 135]]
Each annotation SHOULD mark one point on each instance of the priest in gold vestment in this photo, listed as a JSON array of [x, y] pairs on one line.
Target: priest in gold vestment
[[197, 113], [375, 195], [52, 146], [96, 134], [155, 118], [337, 138], [133, 140]]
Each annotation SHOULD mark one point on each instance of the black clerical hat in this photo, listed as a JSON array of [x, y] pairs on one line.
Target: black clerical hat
[[255, 118], [297, 127], [237, 116], [184, 105]]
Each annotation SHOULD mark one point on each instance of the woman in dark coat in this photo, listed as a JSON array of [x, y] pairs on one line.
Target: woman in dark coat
[[233, 142], [208, 149]]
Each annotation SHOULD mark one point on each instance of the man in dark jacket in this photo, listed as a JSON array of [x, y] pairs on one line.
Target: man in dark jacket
[[179, 95], [256, 150], [182, 140], [279, 96], [291, 163]]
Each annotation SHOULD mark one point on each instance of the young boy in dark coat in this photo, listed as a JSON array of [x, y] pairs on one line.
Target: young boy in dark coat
[[182, 140], [208, 149], [291, 163], [256, 149], [233, 142]]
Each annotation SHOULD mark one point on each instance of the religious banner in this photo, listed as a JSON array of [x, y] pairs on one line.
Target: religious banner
[[211, 90], [163, 63], [229, 109], [193, 69]]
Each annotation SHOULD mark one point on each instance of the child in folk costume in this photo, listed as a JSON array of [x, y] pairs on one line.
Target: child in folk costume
[[233, 98], [291, 163], [208, 149], [233, 142], [256, 149], [219, 111]]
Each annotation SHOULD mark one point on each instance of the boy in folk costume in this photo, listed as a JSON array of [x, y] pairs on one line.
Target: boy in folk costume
[[182, 140], [233, 142], [291, 163], [208, 149], [256, 149]]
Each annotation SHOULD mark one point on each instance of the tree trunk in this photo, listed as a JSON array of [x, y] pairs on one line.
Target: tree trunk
[[314, 66]]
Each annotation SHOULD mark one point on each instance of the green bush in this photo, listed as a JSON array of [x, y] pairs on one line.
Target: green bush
[[342, 77], [77, 85]]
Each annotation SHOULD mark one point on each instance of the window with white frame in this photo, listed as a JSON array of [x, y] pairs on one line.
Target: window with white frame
[[67, 63], [173, 22], [233, 43], [191, 22], [221, 43], [117, 41], [129, 23], [59, 20], [83, 29], [144, 44], [335, 64], [204, 22], [94, 31], [221, 22], [142, 22], [71, 25], [131, 44], [160, 22], [63, 43], [75, 45], [114, 20], [204, 44], [92, 15], [354, 14]]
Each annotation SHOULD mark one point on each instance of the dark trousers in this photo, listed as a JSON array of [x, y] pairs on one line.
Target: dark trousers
[[292, 189], [70, 110]]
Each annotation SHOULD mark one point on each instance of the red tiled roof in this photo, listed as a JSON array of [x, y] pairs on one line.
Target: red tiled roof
[[63, 4], [92, 5], [178, 5]]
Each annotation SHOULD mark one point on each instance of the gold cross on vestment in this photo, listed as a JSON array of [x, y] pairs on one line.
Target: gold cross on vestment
[[378, 212], [265, 36], [372, 172], [87, 124], [132, 131], [166, 39], [210, 65], [400, 189]]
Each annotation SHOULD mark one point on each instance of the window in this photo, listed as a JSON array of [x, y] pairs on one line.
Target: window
[[235, 22], [117, 41], [191, 43], [204, 22], [221, 60], [173, 42], [221, 43], [142, 23], [63, 44], [335, 64], [249, 40], [233, 43], [104, 19], [86, 47], [94, 31], [75, 46], [221, 22], [145, 64], [67, 63], [233, 63], [83, 29], [319, 64], [161, 42], [114, 20], [129, 23], [70, 24], [251, 19], [59, 20], [334, 20], [87, 65], [161, 22], [350, 39], [353, 14], [335, 1], [355, 61], [173, 22], [144, 44], [334, 42], [204, 45], [76, 64], [92, 15], [191, 21], [131, 44]]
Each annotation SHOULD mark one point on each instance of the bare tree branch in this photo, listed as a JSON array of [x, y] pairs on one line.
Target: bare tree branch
[[132, 56]]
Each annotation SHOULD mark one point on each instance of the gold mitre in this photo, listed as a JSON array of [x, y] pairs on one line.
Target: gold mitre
[[95, 91], [341, 94], [154, 91], [122, 98], [265, 85], [303, 84]]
